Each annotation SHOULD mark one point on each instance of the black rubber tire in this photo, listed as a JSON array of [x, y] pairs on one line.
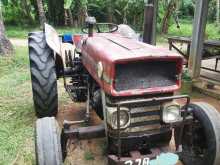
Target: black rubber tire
[[97, 103], [47, 142], [43, 76], [209, 118]]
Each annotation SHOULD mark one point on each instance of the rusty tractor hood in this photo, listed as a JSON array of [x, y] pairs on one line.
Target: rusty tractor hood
[[111, 49], [115, 47]]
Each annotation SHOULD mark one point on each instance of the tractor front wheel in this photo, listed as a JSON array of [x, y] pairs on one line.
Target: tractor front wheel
[[43, 76], [48, 142], [201, 139]]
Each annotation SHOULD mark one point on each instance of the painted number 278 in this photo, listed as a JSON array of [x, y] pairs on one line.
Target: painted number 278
[[144, 161]]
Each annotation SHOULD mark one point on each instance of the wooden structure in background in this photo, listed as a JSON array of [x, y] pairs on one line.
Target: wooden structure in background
[[196, 48], [211, 50]]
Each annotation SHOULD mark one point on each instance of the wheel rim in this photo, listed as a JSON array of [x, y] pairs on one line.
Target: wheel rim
[[195, 144]]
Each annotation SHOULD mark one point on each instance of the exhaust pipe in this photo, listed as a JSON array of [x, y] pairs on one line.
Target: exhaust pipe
[[90, 21]]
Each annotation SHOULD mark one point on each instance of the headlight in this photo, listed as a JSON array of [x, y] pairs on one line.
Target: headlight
[[171, 113], [124, 117]]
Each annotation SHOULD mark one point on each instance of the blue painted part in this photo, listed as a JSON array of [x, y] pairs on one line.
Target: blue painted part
[[68, 38], [165, 159]]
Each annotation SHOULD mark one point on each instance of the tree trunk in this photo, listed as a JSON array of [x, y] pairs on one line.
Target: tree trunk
[[66, 17], [218, 12], [6, 47], [70, 17], [56, 12], [165, 23], [41, 12], [36, 13], [110, 11], [83, 14], [27, 10]]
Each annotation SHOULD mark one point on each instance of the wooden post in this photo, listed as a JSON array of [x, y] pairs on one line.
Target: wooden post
[[154, 30], [150, 22], [199, 27]]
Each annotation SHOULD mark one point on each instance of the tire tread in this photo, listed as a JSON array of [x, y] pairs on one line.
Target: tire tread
[[43, 76]]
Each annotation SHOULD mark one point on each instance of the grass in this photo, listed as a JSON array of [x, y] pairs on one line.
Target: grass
[[212, 31], [89, 155], [17, 116], [22, 32], [16, 110]]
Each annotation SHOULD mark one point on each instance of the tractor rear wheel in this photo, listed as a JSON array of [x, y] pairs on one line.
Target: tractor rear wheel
[[43, 76], [201, 139], [47, 142]]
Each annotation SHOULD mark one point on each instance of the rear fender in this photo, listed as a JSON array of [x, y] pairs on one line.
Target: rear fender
[[52, 39], [55, 43]]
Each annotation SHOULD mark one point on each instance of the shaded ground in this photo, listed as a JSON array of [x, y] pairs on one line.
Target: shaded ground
[[92, 151], [17, 115], [82, 152]]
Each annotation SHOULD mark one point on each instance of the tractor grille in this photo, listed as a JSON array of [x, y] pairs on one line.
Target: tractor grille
[[145, 119], [146, 74]]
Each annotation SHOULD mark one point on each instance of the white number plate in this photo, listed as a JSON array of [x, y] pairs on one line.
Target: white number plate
[[144, 161]]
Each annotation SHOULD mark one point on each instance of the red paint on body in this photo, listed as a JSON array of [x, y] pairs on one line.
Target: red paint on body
[[112, 49]]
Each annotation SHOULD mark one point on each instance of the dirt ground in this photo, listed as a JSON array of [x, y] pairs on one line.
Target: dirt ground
[[84, 152], [19, 42], [92, 152]]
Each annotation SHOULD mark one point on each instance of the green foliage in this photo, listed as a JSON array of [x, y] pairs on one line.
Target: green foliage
[[19, 12], [186, 76], [212, 31], [89, 155], [186, 9], [67, 4], [23, 12]]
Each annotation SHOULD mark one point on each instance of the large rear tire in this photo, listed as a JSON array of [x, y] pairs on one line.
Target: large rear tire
[[201, 139], [47, 142], [43, 76]]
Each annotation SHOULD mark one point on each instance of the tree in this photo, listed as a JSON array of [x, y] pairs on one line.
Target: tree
[[68, 12], [6, 47], [41, 12], [171, 7], [218, 12], [26, 6], [110, 11], [56, 12]]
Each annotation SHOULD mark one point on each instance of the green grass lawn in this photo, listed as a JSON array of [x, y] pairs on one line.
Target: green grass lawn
[[186, 27], [17, 116], [16, 110], [22, 32], [212, 31]]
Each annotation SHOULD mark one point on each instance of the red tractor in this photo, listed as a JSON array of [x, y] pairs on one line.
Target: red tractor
[[131, 86]]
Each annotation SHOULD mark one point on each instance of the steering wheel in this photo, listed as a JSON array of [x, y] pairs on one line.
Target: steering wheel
[[102, 28]]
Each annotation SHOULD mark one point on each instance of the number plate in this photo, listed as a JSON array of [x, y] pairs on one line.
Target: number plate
[[143, 161]]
